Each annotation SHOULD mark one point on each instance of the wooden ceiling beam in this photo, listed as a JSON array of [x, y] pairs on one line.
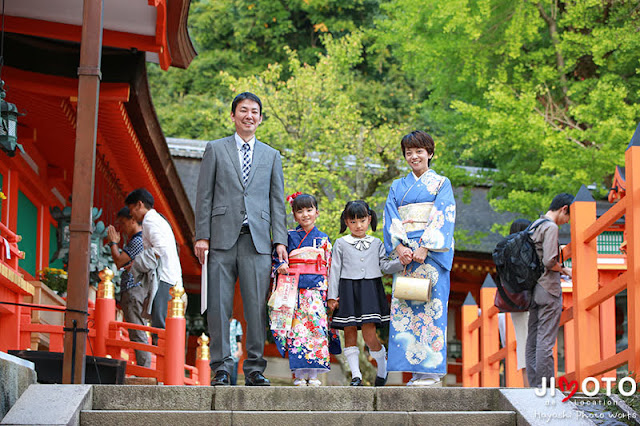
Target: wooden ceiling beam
[[62, 86]]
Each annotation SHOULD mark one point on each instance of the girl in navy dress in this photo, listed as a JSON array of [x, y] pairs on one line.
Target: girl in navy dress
[[356, 294]]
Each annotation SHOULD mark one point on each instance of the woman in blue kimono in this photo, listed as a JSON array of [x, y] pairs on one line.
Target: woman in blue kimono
[[418, 228]]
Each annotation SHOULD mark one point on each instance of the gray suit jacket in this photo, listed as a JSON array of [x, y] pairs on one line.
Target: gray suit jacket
[[221, 200]]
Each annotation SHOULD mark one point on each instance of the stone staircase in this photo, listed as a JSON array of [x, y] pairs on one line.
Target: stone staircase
[[91, 405], [169, 405]]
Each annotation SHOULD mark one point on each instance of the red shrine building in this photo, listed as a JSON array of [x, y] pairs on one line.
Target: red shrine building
[[41, 58]]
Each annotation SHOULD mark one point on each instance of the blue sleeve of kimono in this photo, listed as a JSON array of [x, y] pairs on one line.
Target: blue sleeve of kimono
[[438, 233], [394, 232]]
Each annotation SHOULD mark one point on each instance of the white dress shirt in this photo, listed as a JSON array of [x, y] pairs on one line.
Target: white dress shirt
[[239, 143], [157, 233]]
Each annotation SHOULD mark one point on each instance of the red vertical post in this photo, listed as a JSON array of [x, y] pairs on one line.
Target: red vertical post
[[569, 335], [105, 312], [632, 224], [585, 283], [202, 361], [490, 334], [176, 336], [470, 347]]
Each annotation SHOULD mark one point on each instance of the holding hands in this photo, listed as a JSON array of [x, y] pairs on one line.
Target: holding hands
[[406, 255], [332, 304]]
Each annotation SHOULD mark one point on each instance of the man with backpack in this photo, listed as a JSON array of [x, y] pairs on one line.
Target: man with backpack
[[546, 307]]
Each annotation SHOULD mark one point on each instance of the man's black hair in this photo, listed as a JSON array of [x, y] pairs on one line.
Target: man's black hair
[[140, 194], [356, 210], [124, 213], [304, 201], [241, 97], [561, 200]]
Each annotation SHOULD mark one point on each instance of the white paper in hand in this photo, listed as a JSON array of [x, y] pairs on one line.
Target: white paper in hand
[[203, 284]]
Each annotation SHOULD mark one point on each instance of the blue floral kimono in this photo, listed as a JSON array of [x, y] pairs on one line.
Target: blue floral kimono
[[309, 340], [421, 213]]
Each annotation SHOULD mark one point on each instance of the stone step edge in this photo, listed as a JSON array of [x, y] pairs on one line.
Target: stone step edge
[[290, 412]]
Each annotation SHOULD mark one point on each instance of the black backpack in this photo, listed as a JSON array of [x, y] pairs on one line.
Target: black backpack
[[517, 262]]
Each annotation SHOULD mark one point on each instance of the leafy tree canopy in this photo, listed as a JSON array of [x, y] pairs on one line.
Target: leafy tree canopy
[[544, 92]]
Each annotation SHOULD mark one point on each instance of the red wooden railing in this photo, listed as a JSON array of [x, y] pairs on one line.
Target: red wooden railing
[[589, 311], [108, 337]]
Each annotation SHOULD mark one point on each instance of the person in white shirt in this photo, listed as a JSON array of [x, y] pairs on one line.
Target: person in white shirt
[[158, 235]]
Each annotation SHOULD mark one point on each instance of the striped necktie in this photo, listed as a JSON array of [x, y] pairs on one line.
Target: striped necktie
[[246, 163]]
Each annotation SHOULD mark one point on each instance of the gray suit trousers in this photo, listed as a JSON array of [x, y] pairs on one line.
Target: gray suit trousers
[[253, 271], [544, 321]]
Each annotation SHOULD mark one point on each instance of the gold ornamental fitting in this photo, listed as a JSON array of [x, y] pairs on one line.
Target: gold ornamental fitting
[[202, 352], [176, 305], [106, 289]]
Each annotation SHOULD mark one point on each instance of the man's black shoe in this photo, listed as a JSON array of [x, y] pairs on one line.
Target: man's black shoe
[[255, 378], [380, 381], [356, 381], [221, 378]]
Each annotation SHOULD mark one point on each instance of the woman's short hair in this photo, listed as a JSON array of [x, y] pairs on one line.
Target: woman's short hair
[[418, 139]]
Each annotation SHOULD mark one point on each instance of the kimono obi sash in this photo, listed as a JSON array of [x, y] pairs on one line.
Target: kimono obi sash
[[307, 260], [415, 216]]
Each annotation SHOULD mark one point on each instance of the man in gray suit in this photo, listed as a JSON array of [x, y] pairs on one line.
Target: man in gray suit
[[240, 217]]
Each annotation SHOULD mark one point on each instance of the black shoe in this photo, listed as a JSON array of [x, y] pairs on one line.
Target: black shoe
[[380, 381], [221, 378], [256, 378], [356, 381]]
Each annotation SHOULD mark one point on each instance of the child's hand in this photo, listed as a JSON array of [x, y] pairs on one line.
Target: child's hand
[[332, 304], [283, 269], [404, 254]]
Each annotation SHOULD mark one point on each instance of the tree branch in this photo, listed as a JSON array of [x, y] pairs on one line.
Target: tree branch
[[553, 32]]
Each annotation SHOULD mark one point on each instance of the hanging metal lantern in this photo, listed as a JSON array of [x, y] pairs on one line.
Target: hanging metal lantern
[[8, 125]]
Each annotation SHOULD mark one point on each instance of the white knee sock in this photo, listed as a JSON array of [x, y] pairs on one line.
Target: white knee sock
[[301, 373], [381, 359], [352, 353], [313, 374]]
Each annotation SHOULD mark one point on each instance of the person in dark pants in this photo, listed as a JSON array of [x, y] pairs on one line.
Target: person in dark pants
[[158, 235], [546, 308], [132, 293], [240, 219]]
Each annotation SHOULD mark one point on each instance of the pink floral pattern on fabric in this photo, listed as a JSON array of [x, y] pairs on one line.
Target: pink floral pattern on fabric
[[307, 340]]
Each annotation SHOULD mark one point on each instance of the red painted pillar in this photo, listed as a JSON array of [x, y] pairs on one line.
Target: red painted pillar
[[585, 283], [105, 312], [175, 330], [202, 361], [632, 224], [490, 334], [470, 346]]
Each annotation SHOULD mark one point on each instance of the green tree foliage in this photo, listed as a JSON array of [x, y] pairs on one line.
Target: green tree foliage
[[329, 148], [241, 38], [545, 92]]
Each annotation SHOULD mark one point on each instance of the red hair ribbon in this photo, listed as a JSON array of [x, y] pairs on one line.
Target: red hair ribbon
[[292, 197]]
